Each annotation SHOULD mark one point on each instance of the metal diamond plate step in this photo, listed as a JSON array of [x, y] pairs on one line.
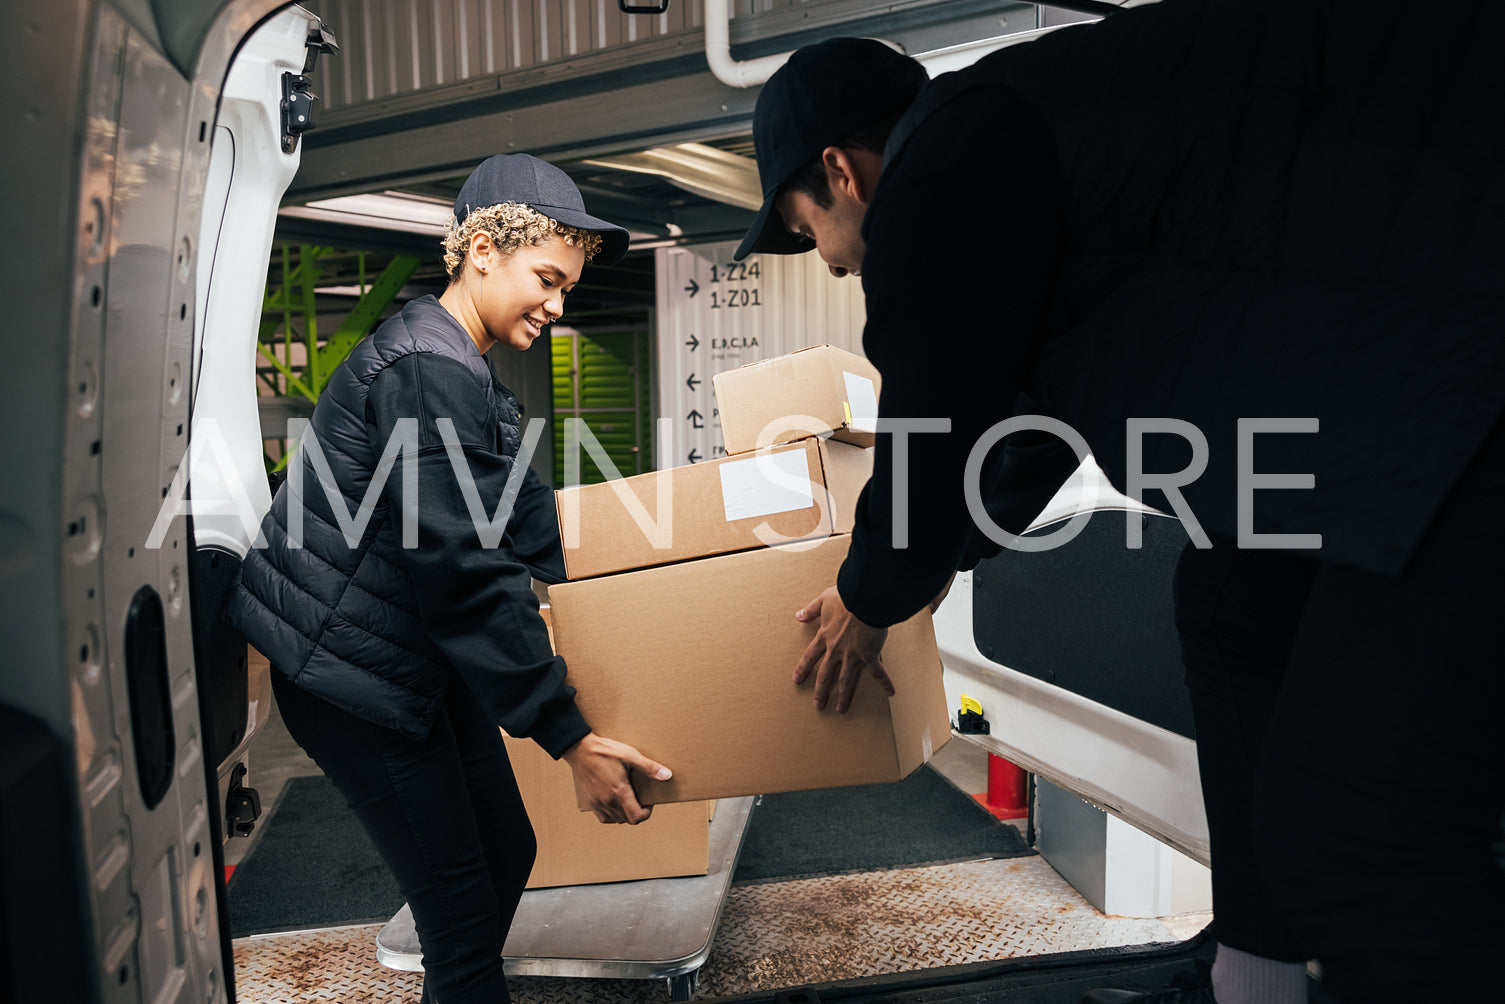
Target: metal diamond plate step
[[771, 935]]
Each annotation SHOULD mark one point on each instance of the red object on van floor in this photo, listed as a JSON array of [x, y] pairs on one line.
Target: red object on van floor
[[229, 870], [1007, 796]]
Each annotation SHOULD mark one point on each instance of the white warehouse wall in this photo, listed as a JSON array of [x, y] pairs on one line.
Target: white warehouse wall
[[714, 314]]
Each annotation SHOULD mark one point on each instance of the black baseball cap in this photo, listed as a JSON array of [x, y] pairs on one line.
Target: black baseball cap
[[824, 94], [521, 177]]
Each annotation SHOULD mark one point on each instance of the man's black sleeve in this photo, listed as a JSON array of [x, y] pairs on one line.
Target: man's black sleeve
[[477, 602], [1017, 487], [963, 236]]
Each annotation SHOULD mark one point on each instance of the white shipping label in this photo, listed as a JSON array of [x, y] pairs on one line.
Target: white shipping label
[[862, 399], [925, 746], [764, 485]]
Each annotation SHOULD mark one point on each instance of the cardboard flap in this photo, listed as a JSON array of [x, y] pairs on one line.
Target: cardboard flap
[[922, 723], [846, 470]]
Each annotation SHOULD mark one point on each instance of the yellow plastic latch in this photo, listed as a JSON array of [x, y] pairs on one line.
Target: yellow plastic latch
[[970, 705], [846, 409]]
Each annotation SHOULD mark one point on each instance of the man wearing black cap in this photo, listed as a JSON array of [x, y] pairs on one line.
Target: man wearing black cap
[[819, 130], [1220, 213], [403, 637]]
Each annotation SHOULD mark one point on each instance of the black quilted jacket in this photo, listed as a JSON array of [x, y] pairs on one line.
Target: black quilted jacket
[[378, 616]]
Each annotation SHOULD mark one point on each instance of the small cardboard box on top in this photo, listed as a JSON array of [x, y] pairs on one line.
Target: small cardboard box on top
[[817, 391], [691, 663], [575, 848], [797, 491]]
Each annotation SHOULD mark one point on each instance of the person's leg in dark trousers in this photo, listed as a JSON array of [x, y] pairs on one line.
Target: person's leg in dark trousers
[[1236, 616], [1381, 792], [507, 835], [445, 815]]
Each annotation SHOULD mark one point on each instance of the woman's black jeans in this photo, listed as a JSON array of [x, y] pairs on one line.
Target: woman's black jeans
[[446, 816]]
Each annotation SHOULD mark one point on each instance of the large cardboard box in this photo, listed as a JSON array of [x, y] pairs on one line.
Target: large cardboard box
[[797, 491], [692, 663], [817, 391], [575, 848]]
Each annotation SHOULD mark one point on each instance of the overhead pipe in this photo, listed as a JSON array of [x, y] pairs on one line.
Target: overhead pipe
[[745, 72], [718, 50]]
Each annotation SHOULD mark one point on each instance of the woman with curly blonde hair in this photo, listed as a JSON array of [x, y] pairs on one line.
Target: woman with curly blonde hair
[[401, 643]]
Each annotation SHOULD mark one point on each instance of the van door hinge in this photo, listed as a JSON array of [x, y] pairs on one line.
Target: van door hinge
[[297, 98]]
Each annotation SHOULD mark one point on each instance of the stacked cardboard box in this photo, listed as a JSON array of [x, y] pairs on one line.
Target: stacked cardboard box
[[794, 491], [691, 663], [574, 848], [686, 648], [797, 430], [819, 391]]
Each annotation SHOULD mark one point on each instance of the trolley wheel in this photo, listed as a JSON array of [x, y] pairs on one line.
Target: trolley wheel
[[682, 988]]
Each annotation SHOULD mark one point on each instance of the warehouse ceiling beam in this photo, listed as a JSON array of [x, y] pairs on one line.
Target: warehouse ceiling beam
[[620, 120], [615, 101]]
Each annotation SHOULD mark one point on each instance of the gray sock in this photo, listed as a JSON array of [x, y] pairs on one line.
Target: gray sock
[[1241, 978]]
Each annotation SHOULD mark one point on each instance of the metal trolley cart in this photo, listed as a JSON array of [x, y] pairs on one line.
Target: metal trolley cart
[[645, 930]]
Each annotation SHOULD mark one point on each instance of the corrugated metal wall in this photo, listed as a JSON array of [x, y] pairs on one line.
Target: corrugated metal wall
[[392, 47]]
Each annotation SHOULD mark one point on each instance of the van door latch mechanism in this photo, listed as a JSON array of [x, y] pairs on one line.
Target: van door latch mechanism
[[242, 805]]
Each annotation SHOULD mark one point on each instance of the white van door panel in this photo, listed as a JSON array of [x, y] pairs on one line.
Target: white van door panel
[[248, 172], [1144, 773]]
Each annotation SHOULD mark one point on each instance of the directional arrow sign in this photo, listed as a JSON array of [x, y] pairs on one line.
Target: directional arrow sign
[[692, 288], [692, 382], [695, 417], [694, 456], [693, 343]]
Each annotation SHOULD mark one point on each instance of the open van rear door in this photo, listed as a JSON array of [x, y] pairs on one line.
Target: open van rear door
[[254, 155], [123, 707]]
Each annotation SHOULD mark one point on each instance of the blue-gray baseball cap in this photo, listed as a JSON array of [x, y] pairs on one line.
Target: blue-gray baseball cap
[[824, 94], [521, 177]]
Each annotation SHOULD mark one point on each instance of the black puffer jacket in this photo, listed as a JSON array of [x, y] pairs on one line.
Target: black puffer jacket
[[379, 617], [1211, 211]]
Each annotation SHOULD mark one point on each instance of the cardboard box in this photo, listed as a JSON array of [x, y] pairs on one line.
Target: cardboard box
[[575, 848], [797, 491], [817, 391], [691, 663]]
